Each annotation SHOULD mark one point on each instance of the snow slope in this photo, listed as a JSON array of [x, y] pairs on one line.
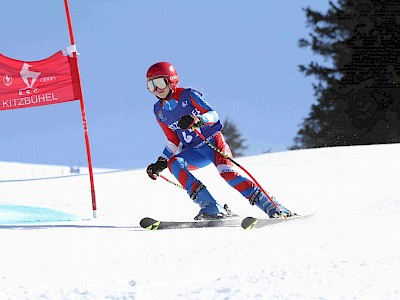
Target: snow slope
[[349, 250]]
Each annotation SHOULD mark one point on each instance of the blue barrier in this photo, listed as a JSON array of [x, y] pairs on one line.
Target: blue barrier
[[19, 214]]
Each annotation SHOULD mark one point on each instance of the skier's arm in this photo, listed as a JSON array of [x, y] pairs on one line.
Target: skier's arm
[[173, 141], [208, 114]]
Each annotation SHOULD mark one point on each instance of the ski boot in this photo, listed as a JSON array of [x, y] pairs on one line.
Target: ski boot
[[273, 211], [210, 209], [282, 215]]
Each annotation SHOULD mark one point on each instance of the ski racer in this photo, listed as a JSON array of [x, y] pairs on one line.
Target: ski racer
[[178, 111]]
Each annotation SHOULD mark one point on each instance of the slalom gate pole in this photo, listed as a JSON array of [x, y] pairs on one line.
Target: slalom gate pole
[[84, 121], [235, 163], [171, 182]]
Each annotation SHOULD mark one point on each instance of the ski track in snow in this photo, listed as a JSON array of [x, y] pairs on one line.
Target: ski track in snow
[[349, 250]]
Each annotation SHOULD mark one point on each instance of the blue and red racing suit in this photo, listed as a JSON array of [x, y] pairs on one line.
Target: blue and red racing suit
[[186, 151]]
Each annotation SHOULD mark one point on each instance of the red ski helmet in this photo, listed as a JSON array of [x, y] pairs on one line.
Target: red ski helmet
[[164, 69]]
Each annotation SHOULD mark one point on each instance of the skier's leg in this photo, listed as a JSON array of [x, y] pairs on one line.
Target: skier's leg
[[179, 166], [243, 185]]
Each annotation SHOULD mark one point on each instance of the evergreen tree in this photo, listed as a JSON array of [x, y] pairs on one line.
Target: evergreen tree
[[233, 137], [358, 95]]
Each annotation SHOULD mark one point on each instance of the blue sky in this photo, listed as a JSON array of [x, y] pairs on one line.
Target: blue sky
[[242, 55]]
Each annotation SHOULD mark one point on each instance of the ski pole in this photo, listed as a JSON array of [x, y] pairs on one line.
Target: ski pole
[[171, 182], [235, 163]]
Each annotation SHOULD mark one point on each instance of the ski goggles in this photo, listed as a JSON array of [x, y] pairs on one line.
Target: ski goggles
[[160, 83]]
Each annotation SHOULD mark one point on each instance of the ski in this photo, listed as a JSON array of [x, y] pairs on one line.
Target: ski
[[249, 223], [152, 224]]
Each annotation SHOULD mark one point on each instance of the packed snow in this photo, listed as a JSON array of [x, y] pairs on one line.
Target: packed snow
[[349, 250]]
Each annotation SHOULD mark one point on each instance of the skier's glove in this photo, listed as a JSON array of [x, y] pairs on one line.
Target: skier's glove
[[188, 121], [153, 170]]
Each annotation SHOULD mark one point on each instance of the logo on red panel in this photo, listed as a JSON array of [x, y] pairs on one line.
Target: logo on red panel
[[7, 80], [29, 77]]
